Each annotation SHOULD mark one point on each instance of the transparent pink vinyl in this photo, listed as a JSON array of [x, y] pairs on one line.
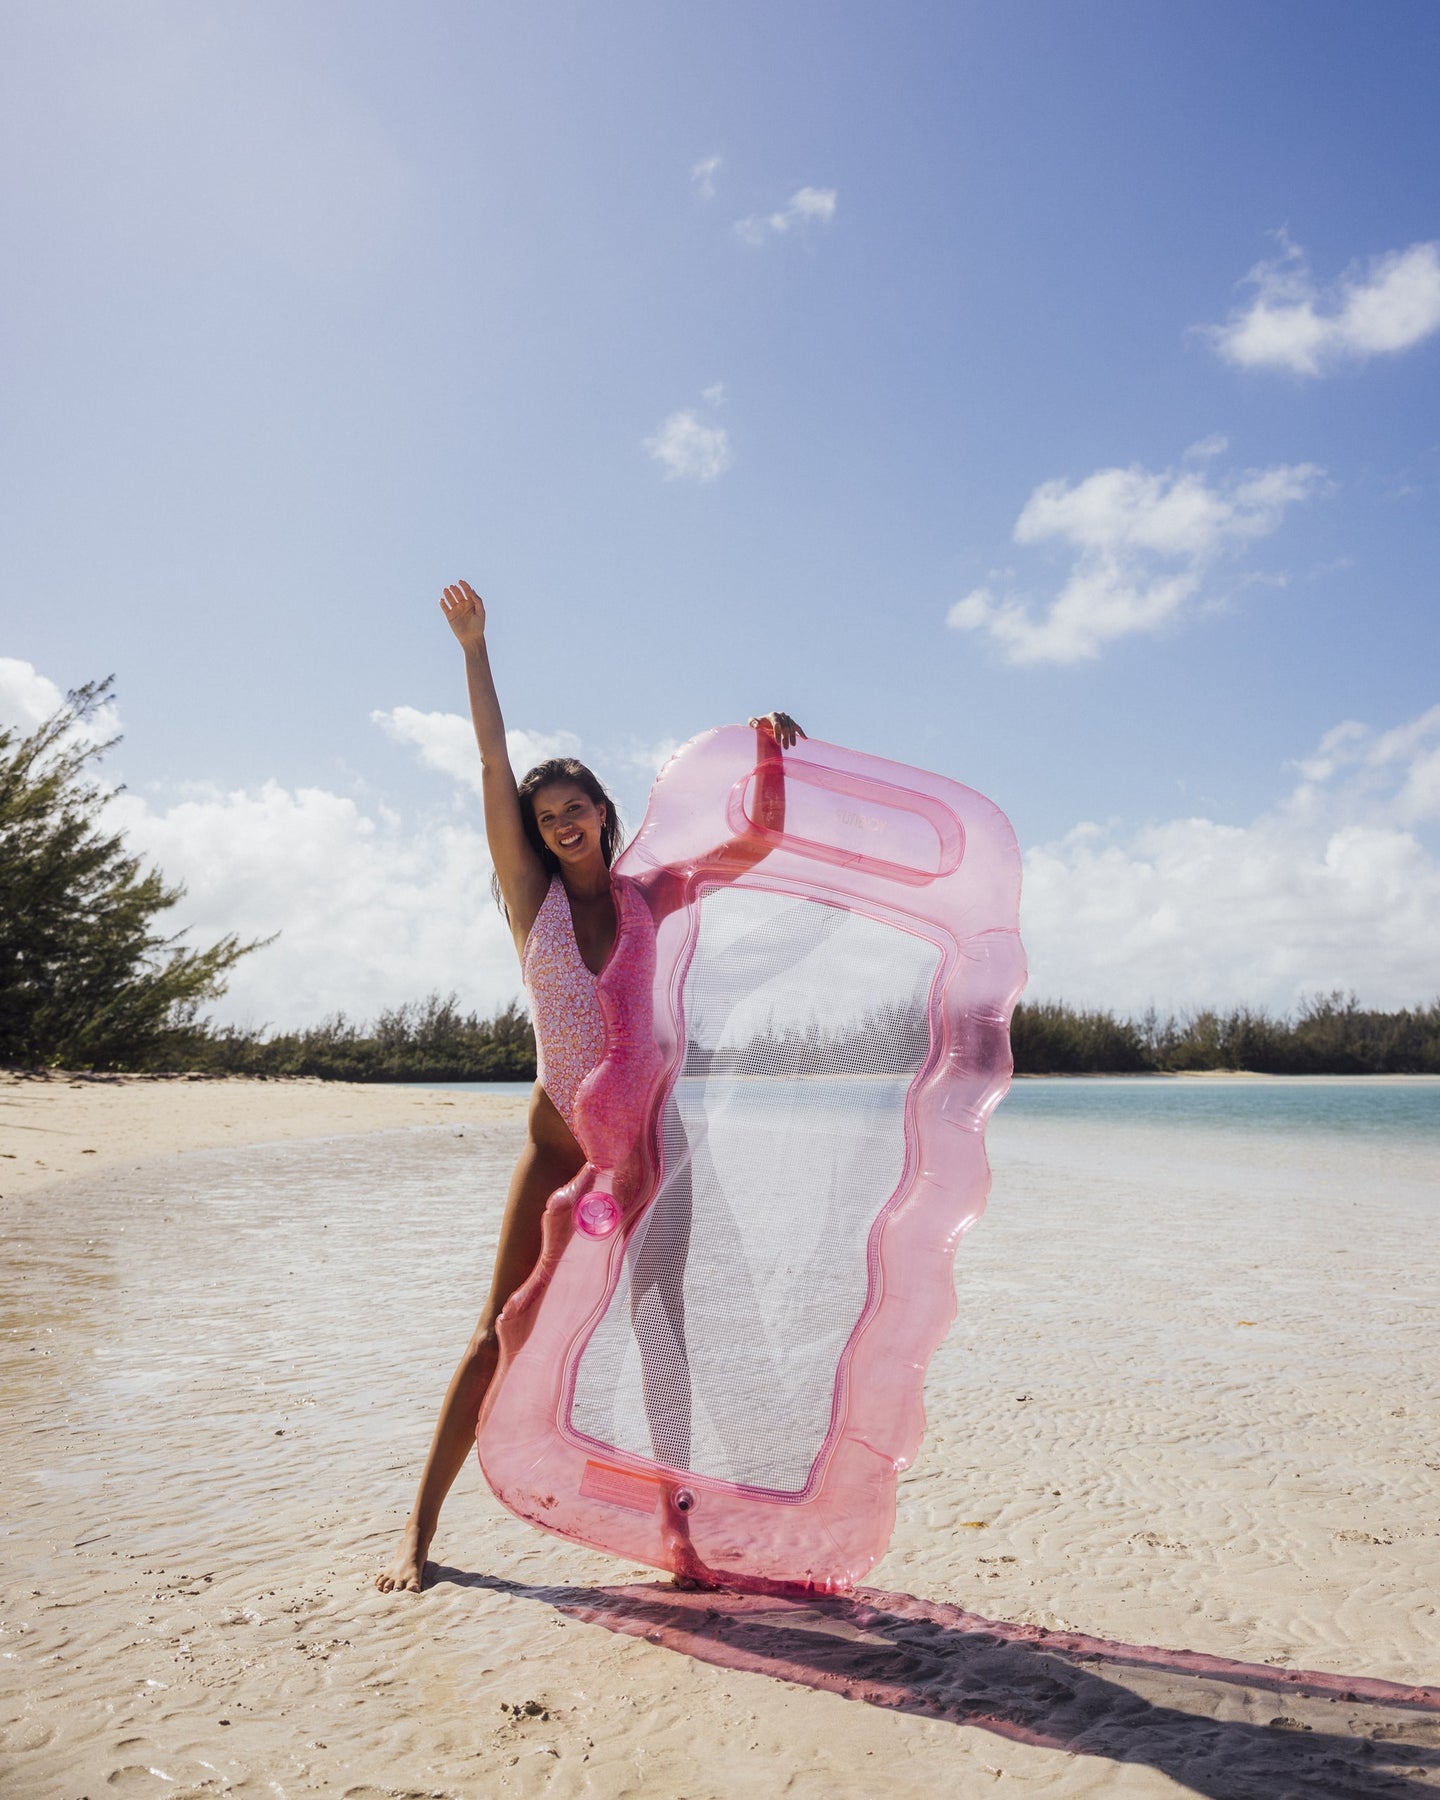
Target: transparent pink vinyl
[[717, 1366]]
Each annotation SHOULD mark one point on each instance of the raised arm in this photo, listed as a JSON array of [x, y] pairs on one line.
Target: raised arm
[[522, 876], [775, 733]]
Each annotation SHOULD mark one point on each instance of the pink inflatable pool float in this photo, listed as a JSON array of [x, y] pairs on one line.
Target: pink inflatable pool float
[[717, 1366]]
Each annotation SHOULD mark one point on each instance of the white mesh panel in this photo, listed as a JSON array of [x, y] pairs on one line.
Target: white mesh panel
[[805, 1025]]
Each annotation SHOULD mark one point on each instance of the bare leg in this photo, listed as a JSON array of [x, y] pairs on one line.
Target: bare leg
[[551, 1157], [657, 1303]]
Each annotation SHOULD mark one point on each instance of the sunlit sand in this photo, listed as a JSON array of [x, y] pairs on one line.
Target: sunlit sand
[[1189, 1402]]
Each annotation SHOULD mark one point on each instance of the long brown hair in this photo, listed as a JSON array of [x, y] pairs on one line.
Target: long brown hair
[[561, 768]]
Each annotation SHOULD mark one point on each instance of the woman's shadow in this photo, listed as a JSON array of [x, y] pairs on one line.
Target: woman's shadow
[[1227, 1730]]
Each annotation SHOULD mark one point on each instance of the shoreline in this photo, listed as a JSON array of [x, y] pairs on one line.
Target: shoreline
[[57, 1125], [1221, 1075]]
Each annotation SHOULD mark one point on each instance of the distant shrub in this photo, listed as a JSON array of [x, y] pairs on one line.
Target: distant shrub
[[1330, 1035], [423, 1040], [432, 1040], [1050, 1038]]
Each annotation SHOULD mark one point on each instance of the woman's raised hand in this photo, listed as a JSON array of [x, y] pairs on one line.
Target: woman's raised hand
[[465, 611], [781, 727]]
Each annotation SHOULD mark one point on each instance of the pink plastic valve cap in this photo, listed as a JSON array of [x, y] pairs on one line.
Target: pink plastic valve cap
[[597, 1215], [717, 1365]]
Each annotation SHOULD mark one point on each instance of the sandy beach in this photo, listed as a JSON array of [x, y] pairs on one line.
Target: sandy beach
[[57, 1125], [1190, 1401]]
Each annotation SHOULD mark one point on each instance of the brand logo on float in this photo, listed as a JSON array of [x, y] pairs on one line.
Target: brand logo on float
[[854, 818]]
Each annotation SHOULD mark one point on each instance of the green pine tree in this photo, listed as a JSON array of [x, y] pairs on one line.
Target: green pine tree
[[86, 980]]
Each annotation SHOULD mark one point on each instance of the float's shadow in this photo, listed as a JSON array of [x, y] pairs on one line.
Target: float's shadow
[[1227, 1730]]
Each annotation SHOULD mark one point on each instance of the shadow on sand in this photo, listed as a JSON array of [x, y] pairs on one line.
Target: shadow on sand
[[1228, 1730]]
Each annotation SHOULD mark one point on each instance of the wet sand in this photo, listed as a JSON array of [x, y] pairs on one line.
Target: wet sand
[[53, 1125], [1190, 1401]]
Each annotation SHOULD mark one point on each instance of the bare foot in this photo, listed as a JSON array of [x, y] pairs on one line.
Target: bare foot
[[406, 1574]]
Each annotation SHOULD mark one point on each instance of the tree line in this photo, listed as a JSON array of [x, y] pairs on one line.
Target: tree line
[[88, 980], [1329, 1035], [424, 1040]]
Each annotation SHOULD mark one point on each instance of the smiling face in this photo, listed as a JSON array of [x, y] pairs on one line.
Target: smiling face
[[570, 822]]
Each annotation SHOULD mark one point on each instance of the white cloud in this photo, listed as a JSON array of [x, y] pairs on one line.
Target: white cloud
[[688, 448], [1394, 776], [1335, 887], [1388, 306], [806, 206], [371, 909], [703, 173], [530, 747], [446, 743], [648, 759], [1142, 542], [1203, 449], [28, 698]]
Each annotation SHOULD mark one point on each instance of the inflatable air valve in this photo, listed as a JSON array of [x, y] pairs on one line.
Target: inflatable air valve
[[597, 1215], [717, 1365]]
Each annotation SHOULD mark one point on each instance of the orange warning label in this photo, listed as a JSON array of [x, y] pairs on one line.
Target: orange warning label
[[636, 1493]]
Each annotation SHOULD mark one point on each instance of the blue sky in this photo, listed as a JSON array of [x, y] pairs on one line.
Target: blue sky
[[1044, 394]]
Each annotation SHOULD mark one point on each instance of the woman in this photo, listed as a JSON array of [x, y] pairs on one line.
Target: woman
[[552, 839]]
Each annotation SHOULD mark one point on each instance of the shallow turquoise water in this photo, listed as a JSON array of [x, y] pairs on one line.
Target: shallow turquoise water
[[1401, 1107]]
